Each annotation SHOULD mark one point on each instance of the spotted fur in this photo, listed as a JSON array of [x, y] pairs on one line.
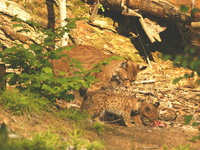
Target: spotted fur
[[100, 103]]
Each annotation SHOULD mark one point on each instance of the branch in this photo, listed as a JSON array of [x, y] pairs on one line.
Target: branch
[[195, 24], [152, 35]]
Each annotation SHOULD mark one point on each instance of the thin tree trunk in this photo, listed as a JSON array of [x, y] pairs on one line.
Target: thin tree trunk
[[182, 10], [63, 16], [51, 20]]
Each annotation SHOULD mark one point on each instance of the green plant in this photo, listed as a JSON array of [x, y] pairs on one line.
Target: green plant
[[23, 103], [75, 139], [98, 126], [77, 142], [189, 60], [188, 120], [101, 8], [3, 136], [35, 69], [180, 147], [41, 141], [96, 145], [72, 114]]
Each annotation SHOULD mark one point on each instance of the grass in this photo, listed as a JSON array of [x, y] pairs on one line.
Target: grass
[[72, 114], [22, 104], [47, 141], [41, 141], [99, 127], [180, 147], [18, 103], [77, 142]]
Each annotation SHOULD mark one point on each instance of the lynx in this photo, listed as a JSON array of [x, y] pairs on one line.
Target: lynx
[[100, 103], [121, 72]]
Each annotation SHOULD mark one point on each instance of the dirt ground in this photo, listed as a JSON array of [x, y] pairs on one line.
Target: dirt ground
[[153, 85], [141, 138], [176, 101]]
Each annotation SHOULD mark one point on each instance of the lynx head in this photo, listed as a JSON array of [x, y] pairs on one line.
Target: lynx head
[[149, 111], [127, 73]]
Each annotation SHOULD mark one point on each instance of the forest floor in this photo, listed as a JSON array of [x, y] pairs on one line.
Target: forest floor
[[177, 100]]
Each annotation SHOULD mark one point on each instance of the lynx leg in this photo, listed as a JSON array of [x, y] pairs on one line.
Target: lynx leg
[[127, 119], [96, 118], [137, 120]]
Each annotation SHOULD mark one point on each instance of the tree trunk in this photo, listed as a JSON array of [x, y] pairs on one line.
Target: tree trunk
[[181, 10], [51, 20], [63, 16], [181, 13]]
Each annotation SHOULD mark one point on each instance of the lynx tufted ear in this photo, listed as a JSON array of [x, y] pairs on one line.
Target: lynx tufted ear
[[124, 65], [157, 104], [147, 109], [141, 67]]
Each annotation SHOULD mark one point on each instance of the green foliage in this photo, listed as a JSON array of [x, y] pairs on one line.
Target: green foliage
[[98, 126], [35, 69], [75, 139], [77, 142], [47, 141], [101, 8], [186, 76], [22, 103], [180, 147], [184, 9], [72, 114], [187, 121], [96, 145], [3, 136], [41, 141], [97, 67], [189, 60]]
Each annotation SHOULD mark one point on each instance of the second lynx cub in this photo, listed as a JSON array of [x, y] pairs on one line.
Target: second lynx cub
[[98, 103]]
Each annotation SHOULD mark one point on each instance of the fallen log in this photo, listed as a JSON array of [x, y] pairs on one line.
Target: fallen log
[[195, 24], [181, 13], [179, 10]]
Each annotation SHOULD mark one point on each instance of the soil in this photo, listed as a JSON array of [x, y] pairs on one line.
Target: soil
[[155, 84], [176, 100], [139, 138]]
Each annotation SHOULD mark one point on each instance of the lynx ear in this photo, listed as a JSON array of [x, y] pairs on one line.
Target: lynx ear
[[147, 109], [124, 65], [157, 104], [141, 67], [138, 105]]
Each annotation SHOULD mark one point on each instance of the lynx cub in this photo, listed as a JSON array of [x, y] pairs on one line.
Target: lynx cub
[[100, 103]]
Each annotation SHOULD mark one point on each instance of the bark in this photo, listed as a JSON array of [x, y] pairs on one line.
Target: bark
[[8, 34], [179, 12], [168, 9], [51, 20], [63, 16], [50, 14], [195, 24], [2, 77]]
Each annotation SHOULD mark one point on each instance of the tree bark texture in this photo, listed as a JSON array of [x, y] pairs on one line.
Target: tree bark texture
[[8, 34], [185, 14], [168, 9]]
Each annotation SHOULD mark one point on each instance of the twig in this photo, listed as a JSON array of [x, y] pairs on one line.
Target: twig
[[131, 12], [195, 24], [113, 120], [145, 82]]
